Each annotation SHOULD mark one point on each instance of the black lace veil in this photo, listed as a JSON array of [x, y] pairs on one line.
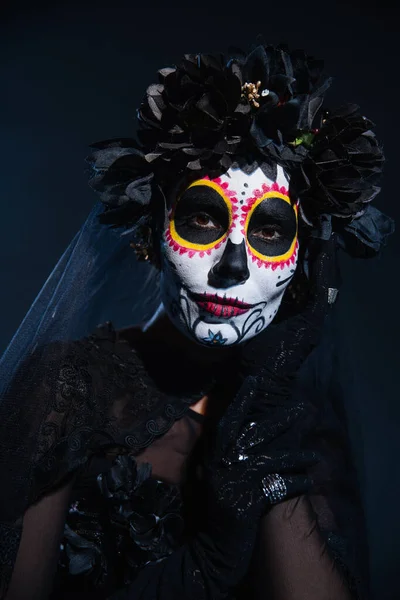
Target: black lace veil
[[97, 279], [47, 405]]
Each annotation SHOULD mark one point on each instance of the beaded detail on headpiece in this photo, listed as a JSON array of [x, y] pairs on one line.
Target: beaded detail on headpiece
[[250, 92]]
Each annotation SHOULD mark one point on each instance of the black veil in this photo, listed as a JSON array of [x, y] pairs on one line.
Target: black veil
[[97, 279], [46, 408]]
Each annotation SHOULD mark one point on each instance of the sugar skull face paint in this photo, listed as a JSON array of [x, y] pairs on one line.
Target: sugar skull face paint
[[229, 250]]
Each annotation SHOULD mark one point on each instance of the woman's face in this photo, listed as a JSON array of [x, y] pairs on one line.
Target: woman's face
[[229, 250]]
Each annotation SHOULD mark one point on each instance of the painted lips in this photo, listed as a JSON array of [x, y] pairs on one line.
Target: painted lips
[[221, 306]]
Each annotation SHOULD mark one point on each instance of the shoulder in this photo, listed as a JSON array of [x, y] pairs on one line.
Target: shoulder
[[66, 390], [72, 400], [80, 364], [100, 383]]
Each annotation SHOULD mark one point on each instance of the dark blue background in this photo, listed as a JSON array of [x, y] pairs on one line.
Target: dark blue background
[[75, 72]]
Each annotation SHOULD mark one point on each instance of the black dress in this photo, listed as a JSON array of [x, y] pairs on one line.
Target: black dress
[[113, 416]]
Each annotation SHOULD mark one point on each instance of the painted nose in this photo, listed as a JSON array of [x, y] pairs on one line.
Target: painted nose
[[232, 268]]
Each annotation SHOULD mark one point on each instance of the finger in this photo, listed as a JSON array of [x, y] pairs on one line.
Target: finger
[[281, 418], [289, 462], [269, 423], [278, 489], [250, 437], [296, 485]]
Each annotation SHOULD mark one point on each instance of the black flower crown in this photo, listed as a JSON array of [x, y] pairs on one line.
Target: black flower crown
[[211, 110]]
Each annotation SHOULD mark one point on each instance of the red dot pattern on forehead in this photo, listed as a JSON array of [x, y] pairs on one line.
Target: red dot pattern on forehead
[[275, 187], [224, 185]]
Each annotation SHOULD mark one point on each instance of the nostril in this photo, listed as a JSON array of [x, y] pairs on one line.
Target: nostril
[[232, 269], [224, 281]]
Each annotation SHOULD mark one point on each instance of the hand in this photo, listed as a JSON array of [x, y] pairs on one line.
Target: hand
[[244, 451]]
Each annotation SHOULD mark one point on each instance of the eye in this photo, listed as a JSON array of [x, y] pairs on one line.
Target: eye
[[267, 234], [202, 220]]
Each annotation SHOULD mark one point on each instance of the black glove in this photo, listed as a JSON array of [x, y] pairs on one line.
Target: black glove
[[237, 460], [244, 450]]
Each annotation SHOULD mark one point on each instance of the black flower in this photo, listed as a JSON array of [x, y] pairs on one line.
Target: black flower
[[292, 89], [208, 111], [124, 179], [199, 115], [341, 172], [146, 511]]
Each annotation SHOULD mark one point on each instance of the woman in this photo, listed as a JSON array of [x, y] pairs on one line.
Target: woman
[[197, 455]]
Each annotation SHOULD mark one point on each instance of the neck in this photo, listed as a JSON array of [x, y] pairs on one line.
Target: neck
[[160, 329]]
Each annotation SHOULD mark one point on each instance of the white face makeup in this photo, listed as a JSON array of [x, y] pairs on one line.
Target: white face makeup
[[229, 251]]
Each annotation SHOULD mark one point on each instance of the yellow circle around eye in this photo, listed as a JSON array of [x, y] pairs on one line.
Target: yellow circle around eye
[[201, 247], [264, 257]]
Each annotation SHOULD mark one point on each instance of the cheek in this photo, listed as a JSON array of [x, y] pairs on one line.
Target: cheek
[[190, 268], [269, 281]]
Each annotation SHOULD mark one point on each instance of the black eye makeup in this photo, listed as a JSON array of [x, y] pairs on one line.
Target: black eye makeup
[[272, 227], [201, 215]]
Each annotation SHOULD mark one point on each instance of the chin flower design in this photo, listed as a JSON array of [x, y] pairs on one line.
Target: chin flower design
[[208, 111], [214, 339]]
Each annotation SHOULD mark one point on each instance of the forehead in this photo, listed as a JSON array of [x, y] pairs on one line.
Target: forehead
[[244, 183]]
